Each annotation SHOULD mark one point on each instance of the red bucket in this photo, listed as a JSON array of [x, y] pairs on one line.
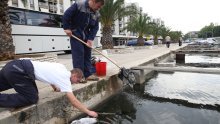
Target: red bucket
[[100, 68]]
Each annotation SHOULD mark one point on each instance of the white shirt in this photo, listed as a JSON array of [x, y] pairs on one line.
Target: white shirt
[[167, 38], [53, 73]]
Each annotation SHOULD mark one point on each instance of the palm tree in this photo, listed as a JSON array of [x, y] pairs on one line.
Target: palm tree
[[175, 35], [7, 49], [111, 11], [164, 32], [156, 27], [139, 25], [6, 43]]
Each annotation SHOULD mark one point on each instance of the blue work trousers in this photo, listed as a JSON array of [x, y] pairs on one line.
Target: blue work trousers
[[18, 74], [81, 56]]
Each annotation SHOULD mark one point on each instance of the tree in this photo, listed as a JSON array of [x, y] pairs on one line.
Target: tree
[[175, 35], [6, 43], [156, 27], [207, 31], [164, 32], [7, 49], [216, 31], [111, 11], [139, 25]]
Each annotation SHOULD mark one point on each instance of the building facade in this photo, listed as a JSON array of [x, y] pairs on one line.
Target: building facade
[[58, 7]]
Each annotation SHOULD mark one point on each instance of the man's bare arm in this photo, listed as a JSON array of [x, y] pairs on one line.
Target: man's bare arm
[[76, 103]]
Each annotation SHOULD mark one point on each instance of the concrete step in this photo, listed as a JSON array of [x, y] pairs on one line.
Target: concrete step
[[180, 69]]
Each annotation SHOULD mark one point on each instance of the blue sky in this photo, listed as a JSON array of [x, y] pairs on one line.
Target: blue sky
[[183, 15]]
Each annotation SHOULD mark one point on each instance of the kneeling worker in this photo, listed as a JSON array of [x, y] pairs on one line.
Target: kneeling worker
[[21, 75]]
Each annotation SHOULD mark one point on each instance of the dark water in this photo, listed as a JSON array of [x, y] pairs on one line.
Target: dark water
[[168, 98]]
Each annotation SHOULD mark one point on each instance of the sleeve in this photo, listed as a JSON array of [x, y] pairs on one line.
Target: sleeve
[[62, 79], [67, 87], [93, 30], [68, 15], [63, 83]]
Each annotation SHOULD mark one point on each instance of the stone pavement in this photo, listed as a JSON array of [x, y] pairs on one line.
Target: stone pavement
[[127, 60], [131, 59]]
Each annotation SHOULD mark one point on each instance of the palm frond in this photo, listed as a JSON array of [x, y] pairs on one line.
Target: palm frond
[[113, 10], [139, 25]]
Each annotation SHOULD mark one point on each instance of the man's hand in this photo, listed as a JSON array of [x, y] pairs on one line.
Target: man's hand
[[92, 114], [68, 32], [89, 43]]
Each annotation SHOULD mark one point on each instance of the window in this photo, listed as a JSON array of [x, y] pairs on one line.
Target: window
[[56, 21], [37, 19], [61, 6], [53, 6], [16, 16], [43, 5], [31, 4], [33, 18], [15, 3], [43, 19]]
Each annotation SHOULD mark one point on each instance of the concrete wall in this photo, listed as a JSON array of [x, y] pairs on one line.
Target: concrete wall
[[145, 74], [55, 109]]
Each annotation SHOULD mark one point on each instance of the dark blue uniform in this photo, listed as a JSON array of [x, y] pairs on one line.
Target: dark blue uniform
[[84, 23], [18, 74]]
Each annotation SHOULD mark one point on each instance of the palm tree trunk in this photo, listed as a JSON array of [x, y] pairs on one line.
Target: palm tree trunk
[[6, 42], [155, 40], [107, 40], [140, 41]]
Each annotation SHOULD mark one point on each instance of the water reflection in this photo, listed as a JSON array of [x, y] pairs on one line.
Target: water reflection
[[192, 87], [122, 106], [139, 110], [168, 98], [199, 58]]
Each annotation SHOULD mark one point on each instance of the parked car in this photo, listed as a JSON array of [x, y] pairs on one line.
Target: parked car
[[131, 42], [207, 41], [211, 40], [149, 42], [187, 41], [201, 41], [134, 42]]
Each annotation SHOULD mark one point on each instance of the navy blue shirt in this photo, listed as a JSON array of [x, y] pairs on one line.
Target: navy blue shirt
[[81, 20]]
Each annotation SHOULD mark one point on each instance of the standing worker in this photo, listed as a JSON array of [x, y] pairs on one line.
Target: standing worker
[[82, 20], [21, 75], [180, 41]]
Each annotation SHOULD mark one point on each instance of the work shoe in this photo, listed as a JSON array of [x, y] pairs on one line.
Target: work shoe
[[83, 80], [92, 78]]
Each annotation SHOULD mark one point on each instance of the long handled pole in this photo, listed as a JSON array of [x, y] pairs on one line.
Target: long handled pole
[[96, 51]]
